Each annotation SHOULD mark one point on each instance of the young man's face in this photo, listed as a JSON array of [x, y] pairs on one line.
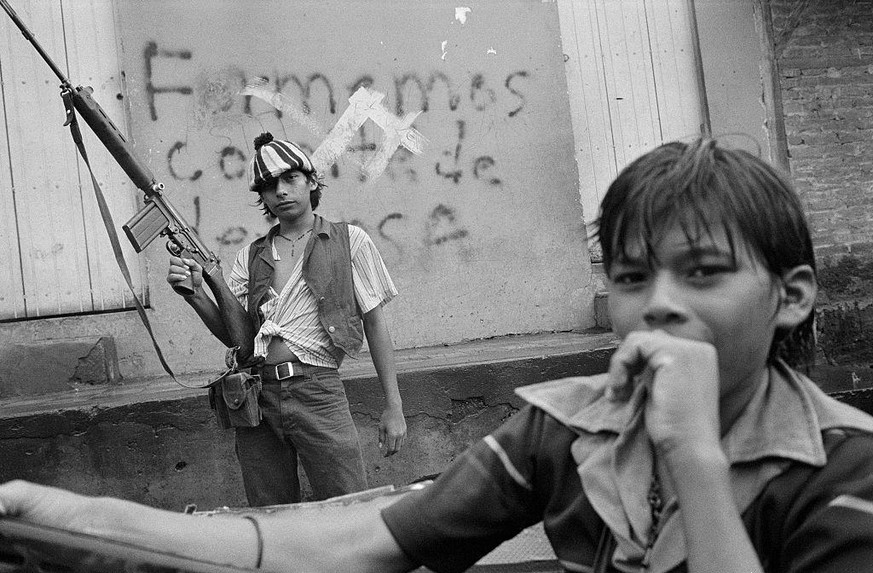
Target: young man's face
[[700, 291], [289, 198]]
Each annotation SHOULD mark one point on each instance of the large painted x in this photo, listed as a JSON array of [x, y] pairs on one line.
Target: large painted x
[[363, 105]]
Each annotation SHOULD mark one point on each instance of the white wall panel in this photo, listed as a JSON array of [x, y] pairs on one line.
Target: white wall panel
[[632, 79], [93, 50], [11, 287], [66, 265], [671, 34]]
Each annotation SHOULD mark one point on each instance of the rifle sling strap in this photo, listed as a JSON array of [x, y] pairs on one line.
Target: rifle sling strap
[[113, 237]]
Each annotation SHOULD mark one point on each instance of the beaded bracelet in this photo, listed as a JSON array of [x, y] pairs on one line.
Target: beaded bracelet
[[260, 539]]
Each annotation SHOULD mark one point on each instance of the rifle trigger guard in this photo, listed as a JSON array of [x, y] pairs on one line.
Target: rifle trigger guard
[[174, 249]]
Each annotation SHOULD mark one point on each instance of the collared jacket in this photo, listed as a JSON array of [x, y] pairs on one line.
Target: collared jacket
[[327, 271]]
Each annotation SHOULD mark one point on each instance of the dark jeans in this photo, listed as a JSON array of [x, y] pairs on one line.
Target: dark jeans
[[305, 417]]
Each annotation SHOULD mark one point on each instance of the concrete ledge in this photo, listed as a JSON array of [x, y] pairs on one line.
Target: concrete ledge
[[48, 367], [842, 378], [156, 442], [861, 399]]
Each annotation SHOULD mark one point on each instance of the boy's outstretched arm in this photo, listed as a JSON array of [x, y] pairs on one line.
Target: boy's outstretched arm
[[392, 424], [338, 538], [351, 538], [683, 421]]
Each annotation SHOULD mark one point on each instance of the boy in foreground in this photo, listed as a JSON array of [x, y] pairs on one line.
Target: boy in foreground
[[700, 450]]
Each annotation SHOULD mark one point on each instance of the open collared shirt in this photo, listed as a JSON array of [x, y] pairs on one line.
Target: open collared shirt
[[576, 460], [292, 314]]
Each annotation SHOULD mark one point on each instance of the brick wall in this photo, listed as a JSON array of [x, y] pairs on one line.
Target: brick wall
[[824, 52]]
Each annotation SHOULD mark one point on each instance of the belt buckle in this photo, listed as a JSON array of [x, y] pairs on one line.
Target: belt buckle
[[286, 367]]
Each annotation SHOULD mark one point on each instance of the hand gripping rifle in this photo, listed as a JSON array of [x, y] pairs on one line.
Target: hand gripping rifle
[[158, 217]]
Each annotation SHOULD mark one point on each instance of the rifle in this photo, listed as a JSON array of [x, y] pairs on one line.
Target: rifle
[[158, 216]]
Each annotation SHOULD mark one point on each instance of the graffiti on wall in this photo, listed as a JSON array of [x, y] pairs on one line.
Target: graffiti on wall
[[364, 104], [314, 103]]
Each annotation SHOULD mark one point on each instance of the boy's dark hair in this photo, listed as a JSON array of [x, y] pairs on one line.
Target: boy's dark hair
[[314, 195], [702, 185]]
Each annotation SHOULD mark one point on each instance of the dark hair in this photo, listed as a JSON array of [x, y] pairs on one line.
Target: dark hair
[[702, 185], [314, 195]]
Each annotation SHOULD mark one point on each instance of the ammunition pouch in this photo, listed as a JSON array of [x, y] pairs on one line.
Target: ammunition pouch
[[234, 397]]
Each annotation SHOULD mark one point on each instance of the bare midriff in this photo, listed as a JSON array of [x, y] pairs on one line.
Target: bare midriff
[[278, 352]]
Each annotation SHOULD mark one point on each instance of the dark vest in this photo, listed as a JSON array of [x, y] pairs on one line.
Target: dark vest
[[327, 271]]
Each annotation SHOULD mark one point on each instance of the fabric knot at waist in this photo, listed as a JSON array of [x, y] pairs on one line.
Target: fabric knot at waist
[[268, 330]]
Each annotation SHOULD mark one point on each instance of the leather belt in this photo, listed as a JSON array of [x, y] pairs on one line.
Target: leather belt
[[282, 371]]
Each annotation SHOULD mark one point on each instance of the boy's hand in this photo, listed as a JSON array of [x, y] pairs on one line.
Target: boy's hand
[[392, 430], [682, 387], [181, 269]]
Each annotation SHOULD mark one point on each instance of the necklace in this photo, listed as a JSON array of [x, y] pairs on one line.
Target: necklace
[[656, 507], [294, 241]]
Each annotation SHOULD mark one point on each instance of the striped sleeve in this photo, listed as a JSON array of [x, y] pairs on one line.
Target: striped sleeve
[[238, 281], [373, 284]]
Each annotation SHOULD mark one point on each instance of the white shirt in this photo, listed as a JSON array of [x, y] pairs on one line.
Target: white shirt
[[293, 313]]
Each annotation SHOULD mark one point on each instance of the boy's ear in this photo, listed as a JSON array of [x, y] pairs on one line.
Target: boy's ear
[[797, 294]]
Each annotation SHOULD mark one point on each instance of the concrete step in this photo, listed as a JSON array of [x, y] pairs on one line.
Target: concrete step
[[462, 359], [156, 442]]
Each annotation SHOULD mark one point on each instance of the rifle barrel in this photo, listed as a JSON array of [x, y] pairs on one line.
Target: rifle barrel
[[30, 38]]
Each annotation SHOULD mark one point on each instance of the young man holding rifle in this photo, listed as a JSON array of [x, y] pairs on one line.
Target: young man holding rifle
[[297, 301]]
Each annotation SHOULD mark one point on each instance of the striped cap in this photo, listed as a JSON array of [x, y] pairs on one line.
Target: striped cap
[[274, 157]]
